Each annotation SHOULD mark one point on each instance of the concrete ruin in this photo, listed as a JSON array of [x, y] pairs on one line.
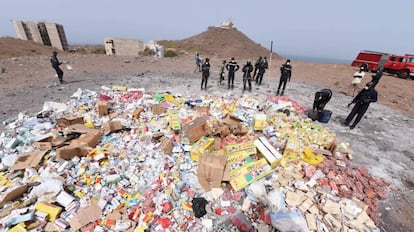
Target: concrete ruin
[[45, 33], [123, 47]]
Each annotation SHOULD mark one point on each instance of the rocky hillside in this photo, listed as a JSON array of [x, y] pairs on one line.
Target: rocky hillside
[[221, 42], [11, 47]]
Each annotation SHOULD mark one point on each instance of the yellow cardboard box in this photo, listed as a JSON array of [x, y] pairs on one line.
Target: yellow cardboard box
[[240, 146], [174, 120], [51, 209], [268, 151], [202, 145], [249, 173], [260, 122]]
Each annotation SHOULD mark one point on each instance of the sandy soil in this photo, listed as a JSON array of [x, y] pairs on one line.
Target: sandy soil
[[382, 141]]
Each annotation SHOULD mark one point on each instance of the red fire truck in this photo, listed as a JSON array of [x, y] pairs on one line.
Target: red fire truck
[[400, 65]]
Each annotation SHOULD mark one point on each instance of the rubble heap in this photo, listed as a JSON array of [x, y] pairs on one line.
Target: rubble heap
[[127, 160]]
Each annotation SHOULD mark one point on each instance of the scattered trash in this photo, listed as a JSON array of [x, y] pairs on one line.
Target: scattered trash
[[127, 160]]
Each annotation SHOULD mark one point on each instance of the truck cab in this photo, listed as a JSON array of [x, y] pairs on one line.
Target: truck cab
[[403, 66]]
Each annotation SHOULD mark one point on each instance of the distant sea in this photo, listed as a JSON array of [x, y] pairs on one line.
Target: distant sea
[[312, 59]]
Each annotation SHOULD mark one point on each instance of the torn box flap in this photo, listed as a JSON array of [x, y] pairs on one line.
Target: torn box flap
[[79, 128], [13, 194], [28, 160], [84, 216]]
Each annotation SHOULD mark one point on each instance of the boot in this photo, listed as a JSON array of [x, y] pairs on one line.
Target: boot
[[277, 93], [282, 93]]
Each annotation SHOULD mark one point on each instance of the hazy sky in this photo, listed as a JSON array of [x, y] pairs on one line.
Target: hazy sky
[[314, 28]]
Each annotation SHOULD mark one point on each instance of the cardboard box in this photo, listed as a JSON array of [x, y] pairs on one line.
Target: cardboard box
[[158, 109], [196, 128], [84, 216], [102, 108], [91, 139], [250, 173], [47, 146], [205, 110], [67, 121], [79, 128], [137, 112], [260, 122], [28, 160], [166, 145], [68, 152], [52, 210], [205, 144], [268, 151], [13, 194], [174, 120], [112, 126], [210, 170], [119, 88], [249, 146]]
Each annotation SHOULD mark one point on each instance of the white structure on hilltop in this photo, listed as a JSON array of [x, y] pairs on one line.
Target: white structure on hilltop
[[227, 24]]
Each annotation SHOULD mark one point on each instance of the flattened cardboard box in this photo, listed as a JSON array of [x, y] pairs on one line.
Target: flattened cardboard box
[[67, 121], [68, 152], [195, 129], [92, 138], [112, 126], [28, 160], [13, 194], [210, 170], [84, 216], [158, 109], [166, 145], [79, 128]]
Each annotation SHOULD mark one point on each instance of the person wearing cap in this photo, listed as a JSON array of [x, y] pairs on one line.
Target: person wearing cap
[[247, 77], [256, 66], [358, 76], [362, 100], [262, 69], [205, 69], [55, 65], [232, 68], [286, 73]]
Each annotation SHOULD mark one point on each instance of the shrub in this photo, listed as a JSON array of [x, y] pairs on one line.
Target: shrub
[[99, 51], [170, 53], [146, 52]]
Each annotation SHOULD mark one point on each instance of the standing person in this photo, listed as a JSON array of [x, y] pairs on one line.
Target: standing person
[[256, 67], [285, 74], [197, 60], [55, 65], [205, 69], [367, 95], [247, 77], [262, 69], [222, 70], [232, 68], [358, 76], [376, 78]]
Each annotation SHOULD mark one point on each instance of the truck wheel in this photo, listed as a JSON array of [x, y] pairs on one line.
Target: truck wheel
[[404, 74], [364, 66]]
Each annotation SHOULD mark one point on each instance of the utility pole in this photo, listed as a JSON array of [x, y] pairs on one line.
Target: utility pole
[[270, 61]]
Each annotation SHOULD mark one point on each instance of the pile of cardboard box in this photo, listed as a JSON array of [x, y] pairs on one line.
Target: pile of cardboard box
[[132, 165]]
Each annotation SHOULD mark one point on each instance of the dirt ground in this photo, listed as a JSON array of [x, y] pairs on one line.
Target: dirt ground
[[381, 142]]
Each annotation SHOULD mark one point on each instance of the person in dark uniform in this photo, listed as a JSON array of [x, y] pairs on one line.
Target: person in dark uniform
[[285, 74], [205, 69], [256, 67], [367, 95], [262, 69], [377, 76], [247, 77], [55, 65], [222, 71], [322, 97], [232, 68]]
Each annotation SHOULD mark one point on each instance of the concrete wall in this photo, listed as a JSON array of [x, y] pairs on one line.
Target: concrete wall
[[49, 34], [123, 47], [20, 31]]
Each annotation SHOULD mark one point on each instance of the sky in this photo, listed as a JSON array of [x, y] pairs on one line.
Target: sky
[[302, 28]]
